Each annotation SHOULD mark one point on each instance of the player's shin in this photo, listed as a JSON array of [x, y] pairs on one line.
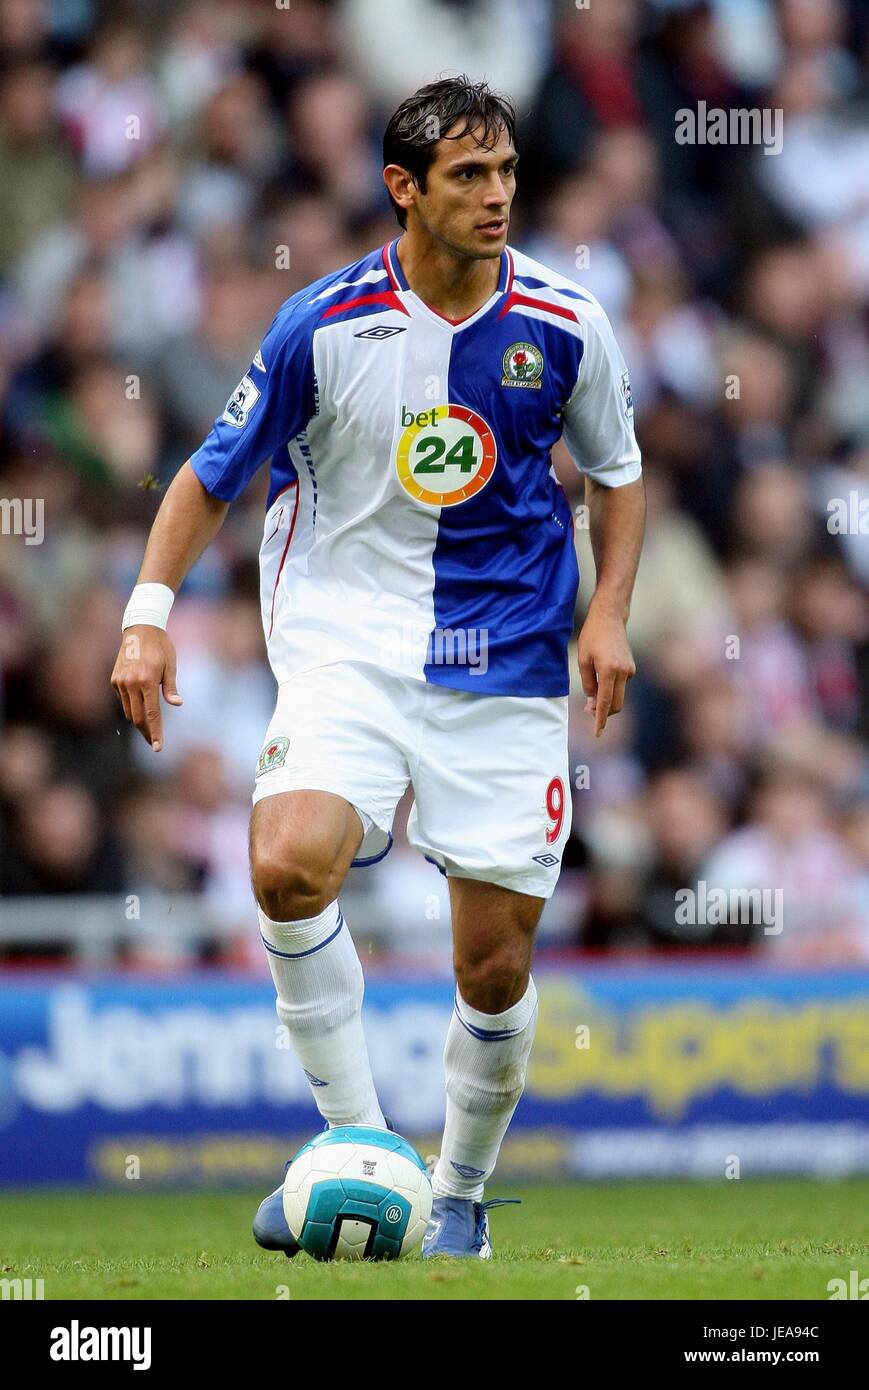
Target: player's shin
[[319, 983], [485, 1060]]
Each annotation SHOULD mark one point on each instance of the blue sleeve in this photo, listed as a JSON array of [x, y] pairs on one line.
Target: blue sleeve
[[272, 403]]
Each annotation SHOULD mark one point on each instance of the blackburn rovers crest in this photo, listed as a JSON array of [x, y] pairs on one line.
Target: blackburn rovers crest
[[273, 755], [522, 365]]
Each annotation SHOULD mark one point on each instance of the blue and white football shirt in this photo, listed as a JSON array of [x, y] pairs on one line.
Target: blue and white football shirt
[[414, 519]]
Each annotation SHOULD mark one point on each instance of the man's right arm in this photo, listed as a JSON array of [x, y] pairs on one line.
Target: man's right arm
[[188, 520], [274, 400]]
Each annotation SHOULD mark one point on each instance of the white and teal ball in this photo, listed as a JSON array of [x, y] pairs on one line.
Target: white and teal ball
[[357, 1193]]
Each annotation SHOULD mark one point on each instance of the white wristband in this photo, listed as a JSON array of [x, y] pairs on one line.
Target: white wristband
[[150, 604]]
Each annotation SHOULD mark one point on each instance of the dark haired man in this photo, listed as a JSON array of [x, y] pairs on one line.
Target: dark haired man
[[418, 588]]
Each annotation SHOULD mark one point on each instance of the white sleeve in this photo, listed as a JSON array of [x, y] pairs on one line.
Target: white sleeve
[[599, 417]]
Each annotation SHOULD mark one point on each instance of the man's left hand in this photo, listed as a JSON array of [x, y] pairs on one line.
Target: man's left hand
[[605, 662]]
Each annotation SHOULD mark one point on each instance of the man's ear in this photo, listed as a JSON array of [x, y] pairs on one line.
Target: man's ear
[[399, 183]]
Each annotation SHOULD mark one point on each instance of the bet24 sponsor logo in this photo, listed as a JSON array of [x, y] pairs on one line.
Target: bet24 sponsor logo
[[445, 454]]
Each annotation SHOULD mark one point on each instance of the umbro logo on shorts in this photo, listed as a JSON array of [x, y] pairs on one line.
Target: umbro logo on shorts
[[381, 330], [547, 860]]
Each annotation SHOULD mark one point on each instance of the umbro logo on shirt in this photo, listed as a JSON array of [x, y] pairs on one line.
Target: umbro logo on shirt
[[381, 330]]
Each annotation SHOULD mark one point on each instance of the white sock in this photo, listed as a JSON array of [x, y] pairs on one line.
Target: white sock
[[319, 981], [485, 1059]]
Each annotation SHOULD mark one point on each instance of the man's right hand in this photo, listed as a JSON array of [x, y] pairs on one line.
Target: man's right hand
[[146, 661]]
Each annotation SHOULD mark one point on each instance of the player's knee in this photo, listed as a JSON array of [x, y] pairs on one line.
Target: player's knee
[[290, 882], [492, 983]]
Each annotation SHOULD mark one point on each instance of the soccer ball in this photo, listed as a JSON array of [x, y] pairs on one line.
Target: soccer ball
[[357, 1193]]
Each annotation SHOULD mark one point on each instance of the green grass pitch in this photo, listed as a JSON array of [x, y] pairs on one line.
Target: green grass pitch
[[741, 1239]]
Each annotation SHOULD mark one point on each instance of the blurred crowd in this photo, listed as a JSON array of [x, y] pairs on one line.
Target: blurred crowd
[[170, 172]]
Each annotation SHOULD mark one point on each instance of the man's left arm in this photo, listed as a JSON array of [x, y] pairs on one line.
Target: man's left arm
[[599, 432], [617, 518]]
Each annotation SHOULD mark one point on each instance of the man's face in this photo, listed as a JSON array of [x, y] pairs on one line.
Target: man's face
[[468, 193]]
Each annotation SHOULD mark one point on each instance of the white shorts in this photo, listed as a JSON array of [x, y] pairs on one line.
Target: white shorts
[[490, 773]]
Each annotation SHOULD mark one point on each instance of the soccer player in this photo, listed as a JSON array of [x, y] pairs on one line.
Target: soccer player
[[419, 579]]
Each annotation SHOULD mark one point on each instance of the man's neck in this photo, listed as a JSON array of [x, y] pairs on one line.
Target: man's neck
[[455, 286]]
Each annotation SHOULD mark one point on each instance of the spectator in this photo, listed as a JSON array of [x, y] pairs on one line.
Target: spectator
[[57, 847], [140, 264], [789, 846], [38, 175]]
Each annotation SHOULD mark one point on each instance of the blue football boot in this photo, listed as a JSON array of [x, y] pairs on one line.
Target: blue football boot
[[460, 1227], [270, 1229]]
